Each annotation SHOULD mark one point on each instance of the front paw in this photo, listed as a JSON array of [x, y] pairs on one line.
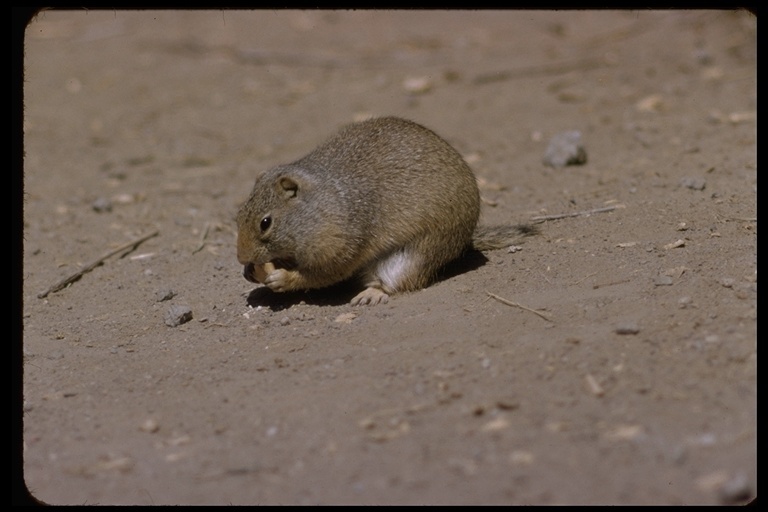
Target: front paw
[[280, 280]]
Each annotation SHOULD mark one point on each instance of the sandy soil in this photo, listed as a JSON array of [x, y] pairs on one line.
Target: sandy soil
[[636, 384]]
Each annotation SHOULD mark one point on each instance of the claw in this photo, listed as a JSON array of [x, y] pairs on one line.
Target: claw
[[370, 296]]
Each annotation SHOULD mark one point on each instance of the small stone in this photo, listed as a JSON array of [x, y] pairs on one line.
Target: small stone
[[742, 117], [163, 295], [124, 198], [675, 244], [625, 433], [496, 424], [285, 321], [694, 183], [565, 148], [102, 205], [417, 85], [177, 315], [627, 329], [149, 425], [735, 490], [652, 103]]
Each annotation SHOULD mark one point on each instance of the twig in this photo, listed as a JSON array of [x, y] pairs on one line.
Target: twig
[[202, 238], [612, 283], [515, 304], [84, 270], [577, 214], [584, 278]]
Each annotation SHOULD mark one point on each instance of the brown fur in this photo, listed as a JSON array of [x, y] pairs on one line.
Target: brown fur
[[385, 200]]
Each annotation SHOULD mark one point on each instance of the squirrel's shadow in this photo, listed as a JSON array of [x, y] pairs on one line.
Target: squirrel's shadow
[[470, 260], [336, 295], [342, 293]]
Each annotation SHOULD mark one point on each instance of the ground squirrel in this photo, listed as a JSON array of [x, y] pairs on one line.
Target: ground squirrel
[[386, 201]]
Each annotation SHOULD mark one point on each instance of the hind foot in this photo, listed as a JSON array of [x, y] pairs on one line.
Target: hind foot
[[370, 296]]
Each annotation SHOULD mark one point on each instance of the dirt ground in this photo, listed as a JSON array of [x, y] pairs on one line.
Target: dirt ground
[[629, 379]]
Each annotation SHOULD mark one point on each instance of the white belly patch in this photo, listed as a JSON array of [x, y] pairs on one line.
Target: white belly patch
[[393, 270]]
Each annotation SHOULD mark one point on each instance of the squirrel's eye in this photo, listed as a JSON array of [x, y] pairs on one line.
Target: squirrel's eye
[[265, 223]]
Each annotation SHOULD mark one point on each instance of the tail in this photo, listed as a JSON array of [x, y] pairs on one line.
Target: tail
[[486, 238]]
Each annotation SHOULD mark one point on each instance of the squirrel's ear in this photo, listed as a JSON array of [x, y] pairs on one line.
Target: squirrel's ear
[[288, 187]]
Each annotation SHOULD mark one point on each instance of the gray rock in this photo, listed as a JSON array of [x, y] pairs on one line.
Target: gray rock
[[177, 315], [164, 294], [565, 148], [102, 204], [694, 183]]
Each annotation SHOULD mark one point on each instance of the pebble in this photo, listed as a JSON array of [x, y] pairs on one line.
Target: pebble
[[496, 424], [675, 244], [627, 329], [565, 148], [177, 315], [652, 103], [735, 490], [694, 183], [102, 205], [417, 85], [149, 425], [730, 488], [163, 295], [125, 198], [626, 433]]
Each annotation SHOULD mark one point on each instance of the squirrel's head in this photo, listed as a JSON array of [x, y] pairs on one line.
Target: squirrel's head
[[270, 220]]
